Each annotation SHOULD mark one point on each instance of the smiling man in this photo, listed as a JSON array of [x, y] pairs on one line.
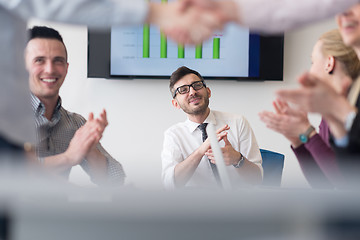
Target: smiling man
[[187, 158], [64, 139]]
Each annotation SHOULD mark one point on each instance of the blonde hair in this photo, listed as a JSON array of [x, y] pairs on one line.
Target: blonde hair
[[333, 45]]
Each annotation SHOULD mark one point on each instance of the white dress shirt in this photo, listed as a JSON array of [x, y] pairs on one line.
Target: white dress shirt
[[184, 138], [280, 15], [16, 117]]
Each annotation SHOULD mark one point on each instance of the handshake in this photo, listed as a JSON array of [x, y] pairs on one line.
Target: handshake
[[192, 21]]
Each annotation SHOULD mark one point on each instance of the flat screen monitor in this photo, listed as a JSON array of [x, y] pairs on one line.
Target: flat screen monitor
[[144, 52]]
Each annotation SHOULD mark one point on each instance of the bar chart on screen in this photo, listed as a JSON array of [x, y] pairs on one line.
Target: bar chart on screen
[[146, 43], [154, 34], [145, 50]]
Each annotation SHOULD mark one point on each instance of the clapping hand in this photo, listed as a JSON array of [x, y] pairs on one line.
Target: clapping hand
[[86, 138], [230, 155]]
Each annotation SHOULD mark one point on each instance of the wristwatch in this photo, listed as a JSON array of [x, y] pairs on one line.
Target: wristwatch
[[241, 162], [304, 137]]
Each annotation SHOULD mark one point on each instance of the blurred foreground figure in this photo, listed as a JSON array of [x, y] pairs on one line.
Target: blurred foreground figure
[[316, 95], [273, 16], [339, 66], [17, 128]]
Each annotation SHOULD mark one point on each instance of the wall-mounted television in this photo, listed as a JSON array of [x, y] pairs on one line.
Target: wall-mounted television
[[143, 52]]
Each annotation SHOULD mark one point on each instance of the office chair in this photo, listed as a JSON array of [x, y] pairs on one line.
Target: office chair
[[273, 164]]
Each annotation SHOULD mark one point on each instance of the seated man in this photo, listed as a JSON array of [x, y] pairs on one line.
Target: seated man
[[64, 139], [187, 158]]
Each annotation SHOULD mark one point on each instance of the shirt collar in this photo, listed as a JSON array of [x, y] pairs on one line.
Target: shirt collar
[[35, 102], [192, 126], [39, 107]]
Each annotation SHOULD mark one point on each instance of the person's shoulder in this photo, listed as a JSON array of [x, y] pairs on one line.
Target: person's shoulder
[[227, 115], [72, 116], [232, 119], [176, 127]]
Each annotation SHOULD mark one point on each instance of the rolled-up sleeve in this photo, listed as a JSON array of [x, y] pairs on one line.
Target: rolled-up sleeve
[[248, 144], [170, 157], [115, 172]]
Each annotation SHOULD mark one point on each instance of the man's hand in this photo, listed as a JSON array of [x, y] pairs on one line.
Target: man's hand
[[184, 170], [188, 21], [220, 133], [225, 11], [230, 155], [86, 138]]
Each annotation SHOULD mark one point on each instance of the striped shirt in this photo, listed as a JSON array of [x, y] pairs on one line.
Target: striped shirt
[[53, 137]]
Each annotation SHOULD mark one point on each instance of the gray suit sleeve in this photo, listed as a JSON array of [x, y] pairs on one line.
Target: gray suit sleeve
[[94, 13], [274, 16]]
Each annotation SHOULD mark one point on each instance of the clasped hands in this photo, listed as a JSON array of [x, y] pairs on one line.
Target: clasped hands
[[230, 155], [192, 21]]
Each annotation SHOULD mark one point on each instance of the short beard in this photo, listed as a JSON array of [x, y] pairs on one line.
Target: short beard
[[197, 111]]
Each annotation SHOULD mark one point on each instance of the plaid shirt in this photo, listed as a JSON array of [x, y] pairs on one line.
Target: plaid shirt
[[53, 137]]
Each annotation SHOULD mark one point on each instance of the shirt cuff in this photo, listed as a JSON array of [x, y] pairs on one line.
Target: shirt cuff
[[349, 120], [342, 142]]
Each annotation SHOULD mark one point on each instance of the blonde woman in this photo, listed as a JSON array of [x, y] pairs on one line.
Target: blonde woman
[[339, 66]]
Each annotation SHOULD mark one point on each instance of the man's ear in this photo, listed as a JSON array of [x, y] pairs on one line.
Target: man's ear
[[330, 65], [175, 103], [67, 67], [209, 91]]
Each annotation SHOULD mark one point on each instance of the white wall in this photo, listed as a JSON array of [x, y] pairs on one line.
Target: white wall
[[139, 111]]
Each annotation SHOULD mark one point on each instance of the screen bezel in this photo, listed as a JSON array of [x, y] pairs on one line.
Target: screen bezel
[[270, 64]]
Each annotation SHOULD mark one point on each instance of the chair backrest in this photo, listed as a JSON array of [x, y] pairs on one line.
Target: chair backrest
[[273, 164]]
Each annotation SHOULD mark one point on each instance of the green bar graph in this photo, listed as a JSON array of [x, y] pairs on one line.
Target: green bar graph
[[216, 48], [146, 41], [181, 51], [198, 51], [163, 41], [163, 46]]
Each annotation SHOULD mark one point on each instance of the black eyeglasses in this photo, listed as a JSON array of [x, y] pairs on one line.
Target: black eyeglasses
[[186, 88]]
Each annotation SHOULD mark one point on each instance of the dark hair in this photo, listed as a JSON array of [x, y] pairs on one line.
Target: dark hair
[[180, 73], [46, 33]]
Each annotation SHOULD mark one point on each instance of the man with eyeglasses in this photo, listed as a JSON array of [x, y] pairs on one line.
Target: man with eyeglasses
[[187, 158]]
